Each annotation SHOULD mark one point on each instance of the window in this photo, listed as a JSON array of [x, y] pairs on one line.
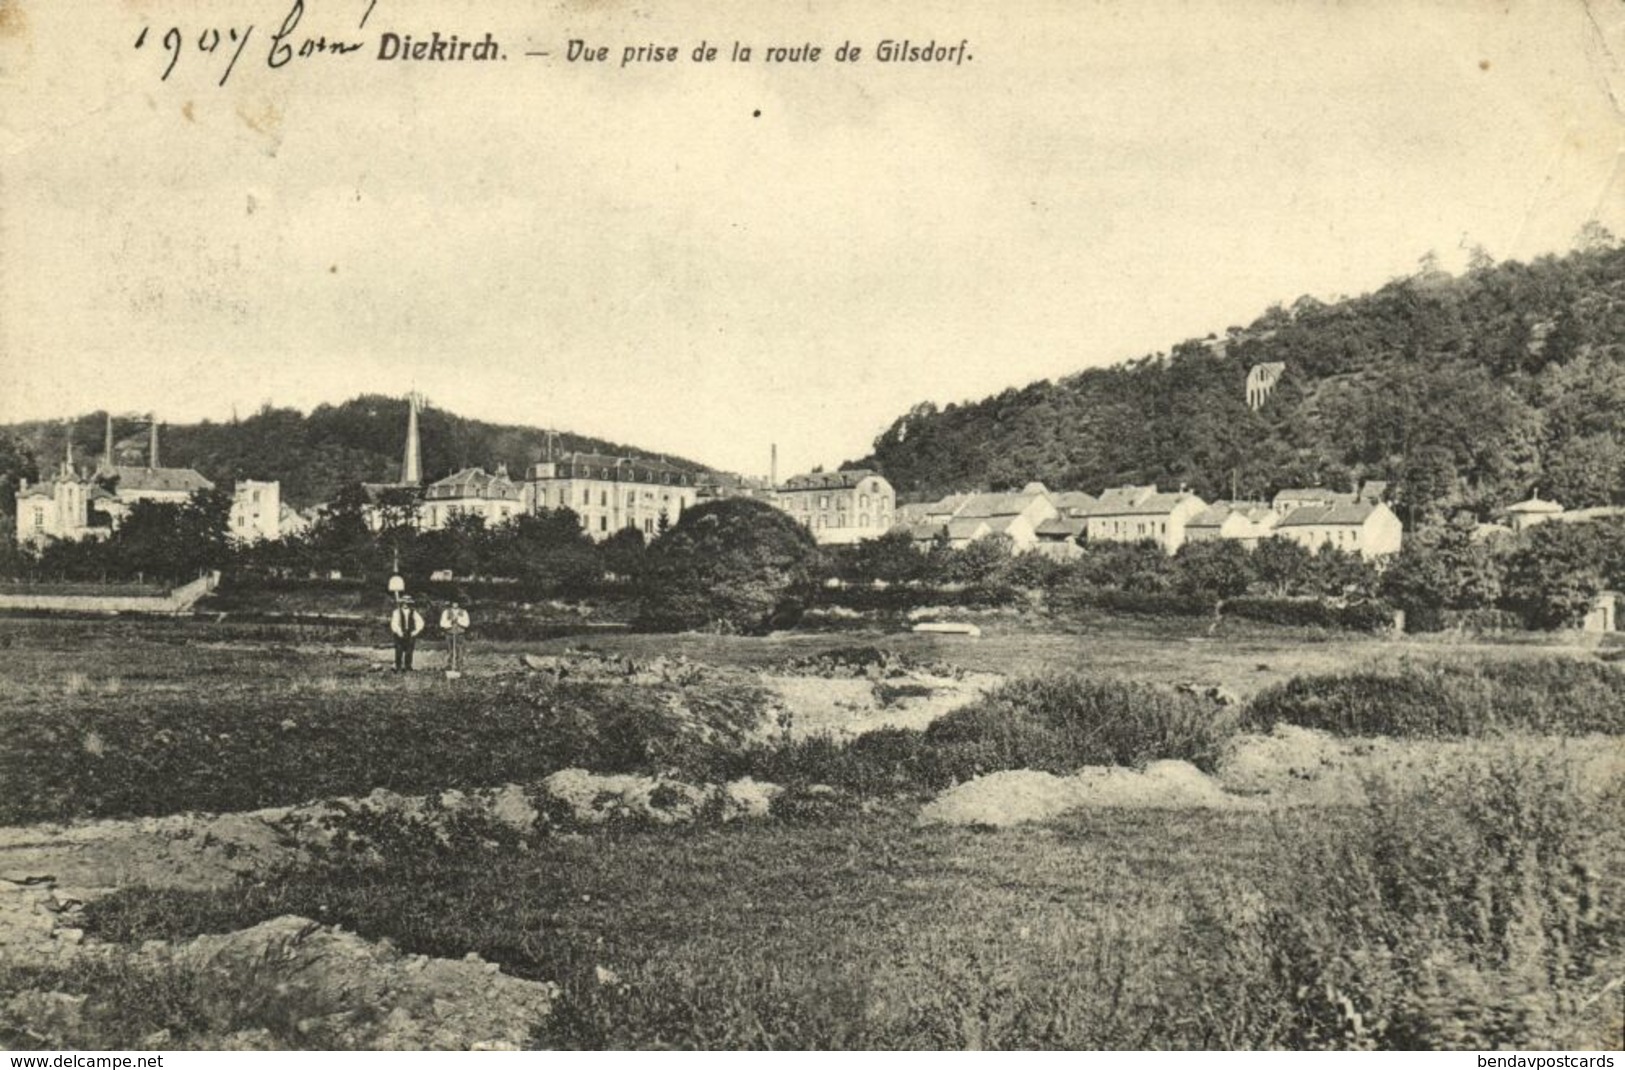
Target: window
[[863, 500], [603, 497], [586, 495], [823, 501], [39, 518], [631, 498], [863, 520], [603, 523], [648, 527]]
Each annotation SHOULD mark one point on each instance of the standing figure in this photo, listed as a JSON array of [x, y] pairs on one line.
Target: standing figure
[[454, 622], [405, 623]]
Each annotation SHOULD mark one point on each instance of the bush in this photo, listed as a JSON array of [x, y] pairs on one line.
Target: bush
[[1313, 613], [1464, 910], [1146, 603], [1061, 722], [735, 565], [1446, 699]]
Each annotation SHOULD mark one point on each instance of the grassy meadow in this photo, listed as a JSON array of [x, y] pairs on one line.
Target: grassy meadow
[[1469, 906]]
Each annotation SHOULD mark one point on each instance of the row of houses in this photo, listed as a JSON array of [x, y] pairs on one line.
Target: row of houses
[[1057, 522], [610, 494]]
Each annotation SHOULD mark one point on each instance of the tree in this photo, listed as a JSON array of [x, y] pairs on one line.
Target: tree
[[1213, 568], [981, 559], [890, 558], [623, 552], [1553, 577], [730, 565], [1282, 566]]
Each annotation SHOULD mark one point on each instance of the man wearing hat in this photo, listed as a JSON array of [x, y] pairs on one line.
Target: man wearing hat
[[453, 623], [405, 623]]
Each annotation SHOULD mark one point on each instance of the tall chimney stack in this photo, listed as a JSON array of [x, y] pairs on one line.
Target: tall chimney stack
[[412, 463], [107, 449], [773, 467], [152, 444]]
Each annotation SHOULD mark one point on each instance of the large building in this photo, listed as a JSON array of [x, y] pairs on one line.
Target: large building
[[56, 508], [839, 507], [961, 519], [151, 482], [1243, 522], [1137, 514], [611, 493], [1357, 527], [471, 492]]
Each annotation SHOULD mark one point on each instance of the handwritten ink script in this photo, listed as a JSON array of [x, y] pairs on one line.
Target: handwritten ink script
[[282, 43]]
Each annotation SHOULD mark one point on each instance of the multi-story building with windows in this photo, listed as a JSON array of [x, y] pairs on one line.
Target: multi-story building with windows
[[610, 493], [471, 492], [839, 507]]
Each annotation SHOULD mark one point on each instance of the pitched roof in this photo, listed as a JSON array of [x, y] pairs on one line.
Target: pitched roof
[[966, 527], [1534, 505], [581, 465], [849, 477], [1061, 527], [1072, 500], [1220, 511], [991, 505], [1352, 513], [1312, 494], [172, 480], [919, 531], [473, 483]]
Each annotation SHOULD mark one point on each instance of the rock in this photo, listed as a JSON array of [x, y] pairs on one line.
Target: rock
[[751, 798], [511, 806]]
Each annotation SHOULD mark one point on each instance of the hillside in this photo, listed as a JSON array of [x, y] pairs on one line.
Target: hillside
[[313, 455], [1463, 392]]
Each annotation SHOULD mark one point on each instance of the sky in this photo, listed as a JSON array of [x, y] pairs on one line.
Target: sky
[[709, 258]]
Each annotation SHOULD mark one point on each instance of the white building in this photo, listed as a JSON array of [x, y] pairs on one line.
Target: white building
[[471, 492], [1358, 527], [839, 507], [256, 510], [1135, 514], [610, 493]]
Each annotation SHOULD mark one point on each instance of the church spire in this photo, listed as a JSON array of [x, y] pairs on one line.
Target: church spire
[[412, 462]]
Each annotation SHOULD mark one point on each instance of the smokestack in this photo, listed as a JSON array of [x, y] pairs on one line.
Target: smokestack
[[412, 463], [107, 449], [773, 467], [152, 445]]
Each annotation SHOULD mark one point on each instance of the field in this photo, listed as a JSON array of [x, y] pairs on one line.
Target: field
[[1133, 835]]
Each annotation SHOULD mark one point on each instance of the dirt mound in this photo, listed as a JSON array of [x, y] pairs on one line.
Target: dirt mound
[[291, 982], [862, 662], [1016, 796], [593, 799], [413, 1001], [1295, 766], [850, 706], [597, 666]]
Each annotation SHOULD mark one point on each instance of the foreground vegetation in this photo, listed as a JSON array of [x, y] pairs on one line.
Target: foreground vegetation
[[1475, 908], [266, 732]]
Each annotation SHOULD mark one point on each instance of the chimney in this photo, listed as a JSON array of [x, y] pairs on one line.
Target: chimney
[[773, 466], [412, 462], [107, 449], [152, 445]]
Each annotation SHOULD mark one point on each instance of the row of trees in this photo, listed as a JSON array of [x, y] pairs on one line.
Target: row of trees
[[740, 564], [1530, 356]]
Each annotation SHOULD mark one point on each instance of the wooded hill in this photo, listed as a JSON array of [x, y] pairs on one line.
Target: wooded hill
[[313, 456], [1464, 392]]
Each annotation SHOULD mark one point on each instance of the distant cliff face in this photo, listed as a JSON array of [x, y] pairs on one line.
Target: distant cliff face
[[1461, 392]]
